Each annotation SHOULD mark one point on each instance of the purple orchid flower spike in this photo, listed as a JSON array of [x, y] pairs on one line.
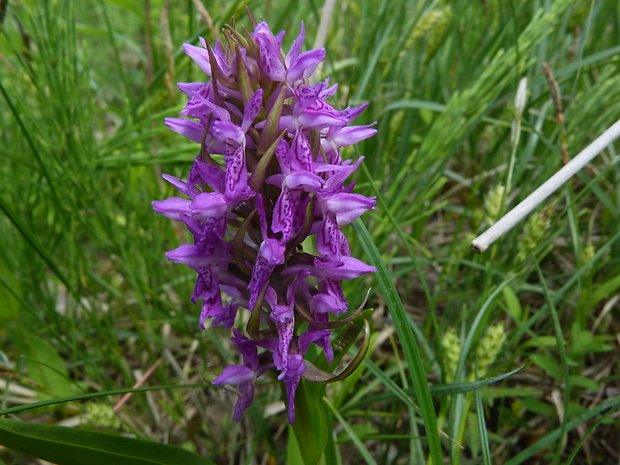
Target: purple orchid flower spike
[[244, 375], [269, 175]]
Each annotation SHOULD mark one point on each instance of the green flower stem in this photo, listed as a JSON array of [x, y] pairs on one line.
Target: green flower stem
[[313, 425]]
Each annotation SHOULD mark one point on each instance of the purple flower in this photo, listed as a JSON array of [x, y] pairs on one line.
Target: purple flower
[[244, 375], [269, 175]]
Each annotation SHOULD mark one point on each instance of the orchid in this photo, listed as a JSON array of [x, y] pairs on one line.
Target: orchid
[[269, 176]]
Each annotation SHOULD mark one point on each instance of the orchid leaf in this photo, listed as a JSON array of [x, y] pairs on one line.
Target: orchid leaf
[[72, 446], [311, 429], [47, 369]]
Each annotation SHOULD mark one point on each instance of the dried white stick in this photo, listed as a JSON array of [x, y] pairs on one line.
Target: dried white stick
[[508, 221], [321, 35], [326, 17]]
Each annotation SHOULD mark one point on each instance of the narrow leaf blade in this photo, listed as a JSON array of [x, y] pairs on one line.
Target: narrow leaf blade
[[72, 446]]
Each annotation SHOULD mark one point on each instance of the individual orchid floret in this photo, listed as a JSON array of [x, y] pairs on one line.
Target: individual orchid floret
[[269, 175]]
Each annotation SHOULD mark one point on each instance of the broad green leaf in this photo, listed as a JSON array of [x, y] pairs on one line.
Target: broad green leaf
[[293, 452], [549, 365], [71, 446], [584, 342], [582, 381], [312, 426], [540, 341], [606, 290], [539, 407], [9, 293], [46, 368], [513, 304]]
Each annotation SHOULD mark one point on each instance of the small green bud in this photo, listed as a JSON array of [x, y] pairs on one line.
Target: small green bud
[[439, 31], [102, 416], [493, 203], [489, 348], [451, 344], [533, 232], [588, 253]]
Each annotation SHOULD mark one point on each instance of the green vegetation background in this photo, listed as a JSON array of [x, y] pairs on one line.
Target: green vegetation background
[[88, 301]]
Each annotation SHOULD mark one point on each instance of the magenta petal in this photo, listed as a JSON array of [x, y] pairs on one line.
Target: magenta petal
[[228, 132], [200, 56], [188, 88], [190, 255], [237, 188], [245, 400], [172, 207], [302, 152], [296, 47], [251, 110], [209, 204], [295, 368], [273, 251], [211, 308], [328, 303], [330, 238], [276, 180], [180, 185], [309, 337], [234, 374], [295, 365], [226, 318], [353, 134], [270, 53], [343, 268], [348, 207], [204, 173], [316, 118], [206, 284], [247, 348], [260, 276], [306, 180], [285, 336], [284, 212], [186, 127], [304, 65], [199, 106]]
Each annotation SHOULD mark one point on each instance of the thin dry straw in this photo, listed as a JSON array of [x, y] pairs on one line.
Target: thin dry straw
[[321, 35], [326, 17], [508, 221], [139, 383]]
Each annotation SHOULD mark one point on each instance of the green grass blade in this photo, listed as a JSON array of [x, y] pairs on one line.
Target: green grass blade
[[591, 429], [62, 400], [563, 362], [436, 389], [407, 339], [354, 437], [482, 429], [551, 438]]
